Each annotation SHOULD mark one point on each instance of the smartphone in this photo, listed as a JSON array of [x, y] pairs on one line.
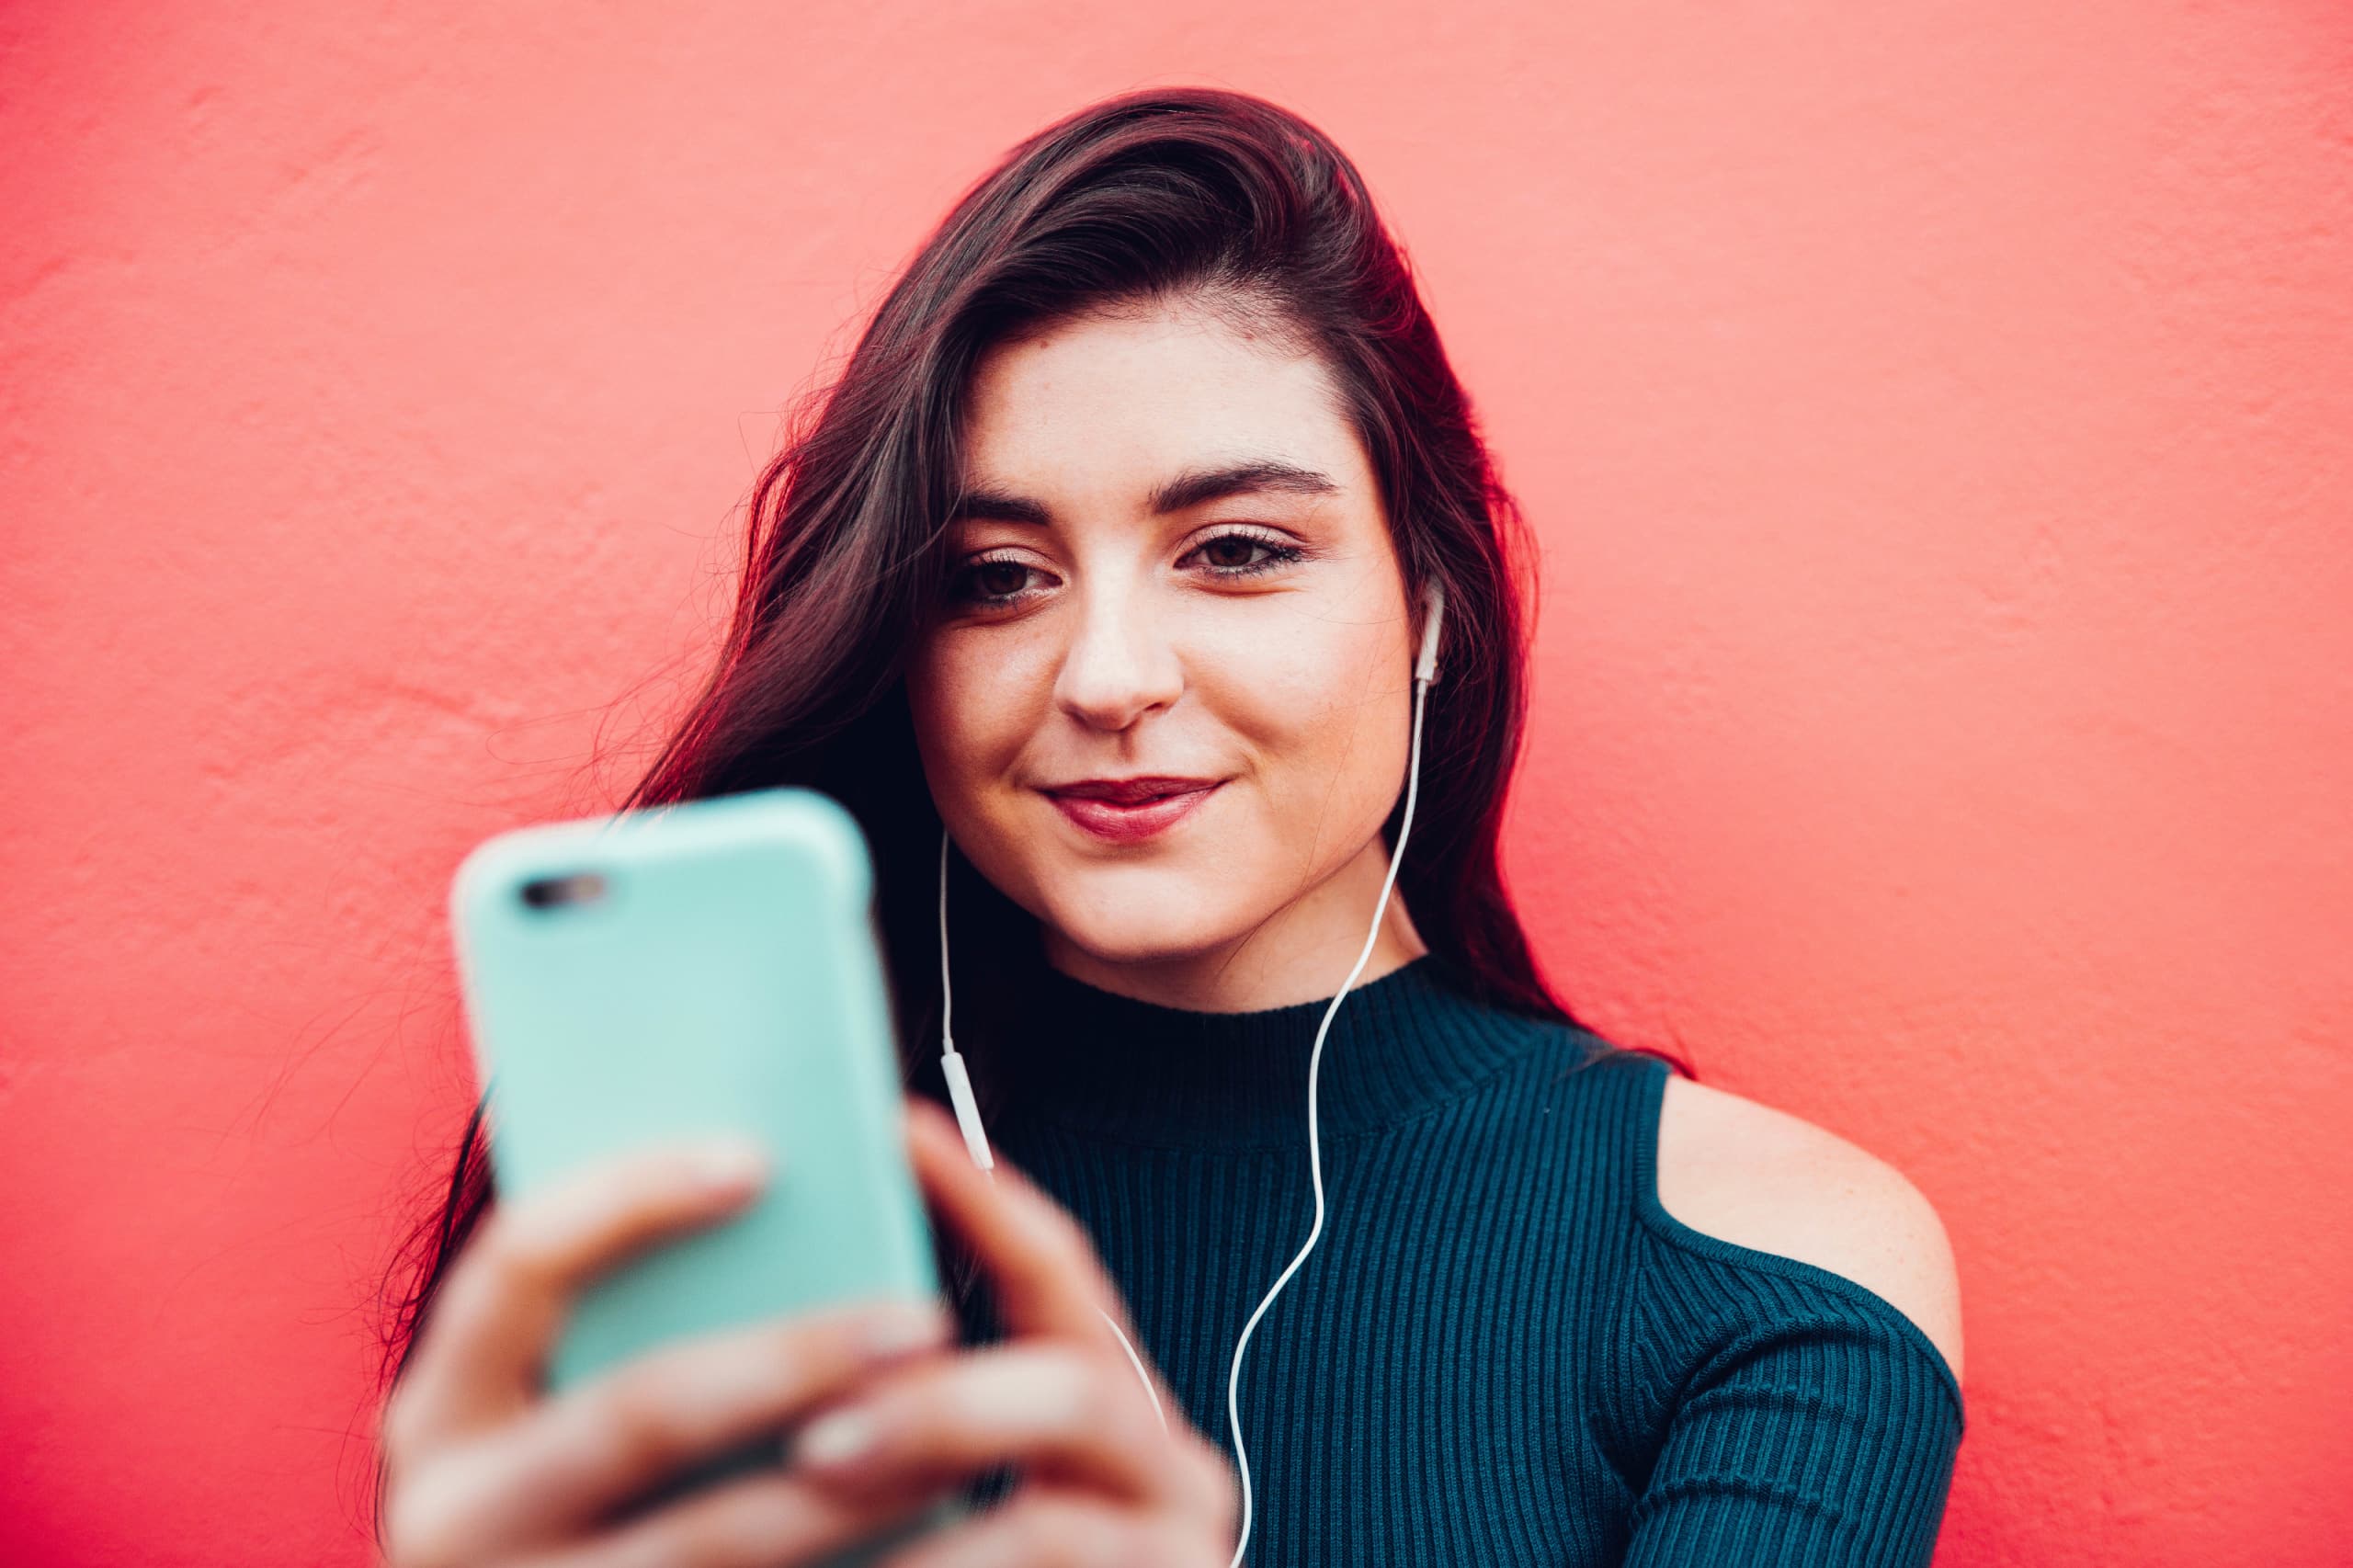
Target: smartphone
[[707, 967]]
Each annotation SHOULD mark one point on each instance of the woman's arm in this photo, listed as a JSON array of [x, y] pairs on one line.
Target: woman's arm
[[1819, 1439]]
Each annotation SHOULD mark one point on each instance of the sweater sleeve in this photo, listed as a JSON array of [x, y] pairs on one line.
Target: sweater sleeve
[[1798, 1417]]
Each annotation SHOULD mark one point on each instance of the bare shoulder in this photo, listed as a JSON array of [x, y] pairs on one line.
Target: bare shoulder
[[1746, 1173]]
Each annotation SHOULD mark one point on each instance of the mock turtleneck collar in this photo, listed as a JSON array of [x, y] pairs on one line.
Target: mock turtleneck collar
[[1094, 1060]]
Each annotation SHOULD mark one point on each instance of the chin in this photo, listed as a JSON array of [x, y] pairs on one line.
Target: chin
[[1145, 924]]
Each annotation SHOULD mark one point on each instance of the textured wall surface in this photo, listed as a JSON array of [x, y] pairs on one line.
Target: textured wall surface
[[1937, 418]]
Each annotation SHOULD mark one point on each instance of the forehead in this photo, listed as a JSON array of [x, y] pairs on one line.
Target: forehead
[[1101, 408]]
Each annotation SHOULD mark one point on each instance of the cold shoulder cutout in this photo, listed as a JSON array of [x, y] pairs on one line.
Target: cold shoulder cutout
[[1761, 1180]]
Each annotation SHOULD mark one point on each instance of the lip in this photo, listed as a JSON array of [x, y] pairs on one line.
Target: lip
[[1101, 810]]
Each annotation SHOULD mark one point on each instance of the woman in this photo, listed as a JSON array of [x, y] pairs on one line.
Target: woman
[[1105, 556]]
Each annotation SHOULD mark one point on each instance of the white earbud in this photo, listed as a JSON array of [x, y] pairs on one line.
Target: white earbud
[[968, 1113], [1425, 664]]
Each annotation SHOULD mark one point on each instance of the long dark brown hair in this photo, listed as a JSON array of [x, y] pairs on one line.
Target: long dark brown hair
[[1167, 194]]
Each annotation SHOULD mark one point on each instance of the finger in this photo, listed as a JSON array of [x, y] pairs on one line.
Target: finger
[[574, 1457], [765, 1522], [487, 1341], [1042, 1263], [1046, 1276], [1043, 1528], [1047, 1407]]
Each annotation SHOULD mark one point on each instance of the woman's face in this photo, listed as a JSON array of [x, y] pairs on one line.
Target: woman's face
[[1173, 563]]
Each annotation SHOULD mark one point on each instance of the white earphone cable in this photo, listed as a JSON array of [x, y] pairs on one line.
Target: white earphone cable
[[968, 1116], [1314, 1146]]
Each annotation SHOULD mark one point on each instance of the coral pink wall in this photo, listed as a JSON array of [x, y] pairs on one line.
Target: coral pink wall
[[1940, 420]]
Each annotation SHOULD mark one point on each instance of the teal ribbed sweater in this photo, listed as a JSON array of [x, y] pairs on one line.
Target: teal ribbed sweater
[[1503, 1350]]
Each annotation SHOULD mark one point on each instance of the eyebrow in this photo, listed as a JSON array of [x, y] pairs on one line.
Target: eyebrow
[[1190, 488]]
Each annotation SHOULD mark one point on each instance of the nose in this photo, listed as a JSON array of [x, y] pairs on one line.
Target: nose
[[1119, 665]]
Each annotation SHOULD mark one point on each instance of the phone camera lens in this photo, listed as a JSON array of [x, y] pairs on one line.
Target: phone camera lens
[[555, 892]]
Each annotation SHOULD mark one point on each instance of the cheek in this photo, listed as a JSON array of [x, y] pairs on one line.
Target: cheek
[[943, 749], [968, 723], [1323, 719], [969, 727], [931, 709]]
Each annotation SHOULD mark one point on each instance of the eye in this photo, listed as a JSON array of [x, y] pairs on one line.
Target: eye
[[998, 582], [990, 582], [1230, 552]]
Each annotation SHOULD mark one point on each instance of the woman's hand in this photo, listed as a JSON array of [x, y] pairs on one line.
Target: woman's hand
[[1103, 1481], [484, 1472]]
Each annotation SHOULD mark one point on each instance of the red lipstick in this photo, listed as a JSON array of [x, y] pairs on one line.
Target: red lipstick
[[1125, 811]]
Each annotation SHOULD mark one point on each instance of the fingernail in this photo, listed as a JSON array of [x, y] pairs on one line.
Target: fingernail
[[729, 1164], [830, 1439], [900, 1327]]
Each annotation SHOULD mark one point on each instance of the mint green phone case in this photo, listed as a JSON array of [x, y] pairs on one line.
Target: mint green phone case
[[726, 978]]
